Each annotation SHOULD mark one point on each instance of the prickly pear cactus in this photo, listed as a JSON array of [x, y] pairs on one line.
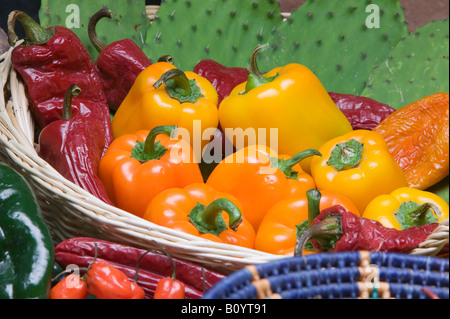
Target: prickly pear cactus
[[129, 19], [340, 41], [224, 30], [417, 67]]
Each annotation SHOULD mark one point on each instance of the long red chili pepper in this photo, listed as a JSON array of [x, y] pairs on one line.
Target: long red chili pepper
[[337, 230], [49, 61], [74, 146], [118, 63], [152, 266], [362, 112]]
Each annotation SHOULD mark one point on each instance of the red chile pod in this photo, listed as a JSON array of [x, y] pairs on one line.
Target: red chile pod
[[363, 113]]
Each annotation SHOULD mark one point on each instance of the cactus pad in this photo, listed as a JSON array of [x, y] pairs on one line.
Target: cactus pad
[[338, 40], [226, 31], [129, 19], [417, 67]]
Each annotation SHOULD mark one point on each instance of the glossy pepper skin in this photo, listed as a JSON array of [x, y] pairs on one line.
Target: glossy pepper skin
[[362, 112], [49, 62], [277, 233], [136, 167], [118, 64], [406, 207], [26, 247], [70, 287], [359, 166], [108, 282], [291, 99], [201, 210], [165, 95], [259, 178], [336, 230], [74, 147]]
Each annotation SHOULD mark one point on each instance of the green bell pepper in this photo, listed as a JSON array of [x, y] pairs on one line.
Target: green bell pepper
[[26, 247]]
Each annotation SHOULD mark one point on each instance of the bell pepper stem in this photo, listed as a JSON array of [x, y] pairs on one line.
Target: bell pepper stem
[[286, 166], [98, 45], [412, 214], [179, 86], [209, 220], [313, 196], [73, 90], [167, 58], [34, 32], [150, 149], [255, 77], [346, 155], [329, 227]]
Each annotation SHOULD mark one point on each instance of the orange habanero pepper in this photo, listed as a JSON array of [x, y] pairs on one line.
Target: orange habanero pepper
[[198, 210], [278, 231], [136, 167], [259, 178]]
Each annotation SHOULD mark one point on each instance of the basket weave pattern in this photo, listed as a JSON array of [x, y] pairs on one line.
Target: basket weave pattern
[[71, 211], [361, 275]]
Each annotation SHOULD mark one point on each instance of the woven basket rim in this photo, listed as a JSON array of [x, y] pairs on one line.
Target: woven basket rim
[[16, 135]]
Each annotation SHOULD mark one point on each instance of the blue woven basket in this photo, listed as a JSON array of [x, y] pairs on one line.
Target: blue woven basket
[[339, 275]]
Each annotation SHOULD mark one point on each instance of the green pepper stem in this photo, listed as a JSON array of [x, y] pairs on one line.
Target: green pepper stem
[[286, 165], [73, 90], [255, 77], [167, 58], [180, 79], [330, 226], [313, 196], [35, 33], [98, 45], [208, 219], [179, 86], [346, 155], [149, 145]]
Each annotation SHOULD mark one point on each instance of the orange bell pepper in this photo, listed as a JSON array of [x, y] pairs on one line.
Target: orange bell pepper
[[259, 178], [198, 209], [359, 166], [136, 167], [277, 233]]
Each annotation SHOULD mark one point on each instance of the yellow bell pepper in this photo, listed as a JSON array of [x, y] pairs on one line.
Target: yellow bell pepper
[[359, 166], [406, 207], [164, 95], [290, 99]]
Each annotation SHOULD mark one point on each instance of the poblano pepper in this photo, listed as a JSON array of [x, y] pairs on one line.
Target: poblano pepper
[[26, 247]]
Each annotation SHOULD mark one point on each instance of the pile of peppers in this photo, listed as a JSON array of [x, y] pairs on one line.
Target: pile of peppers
[[127, 131]]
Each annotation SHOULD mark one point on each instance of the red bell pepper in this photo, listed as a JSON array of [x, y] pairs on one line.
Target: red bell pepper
[[118, 63]]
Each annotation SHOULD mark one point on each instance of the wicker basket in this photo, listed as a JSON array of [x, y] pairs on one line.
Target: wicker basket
[[71, 211], [361, 275]]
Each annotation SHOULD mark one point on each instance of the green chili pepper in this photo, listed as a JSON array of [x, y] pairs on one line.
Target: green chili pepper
[[26, 247]]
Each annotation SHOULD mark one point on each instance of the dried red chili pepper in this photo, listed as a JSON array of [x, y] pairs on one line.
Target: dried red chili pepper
[[152, 266], [224, 79], [73, 146], [118, 64], [362, 112], [337, 230], [49, 61]]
